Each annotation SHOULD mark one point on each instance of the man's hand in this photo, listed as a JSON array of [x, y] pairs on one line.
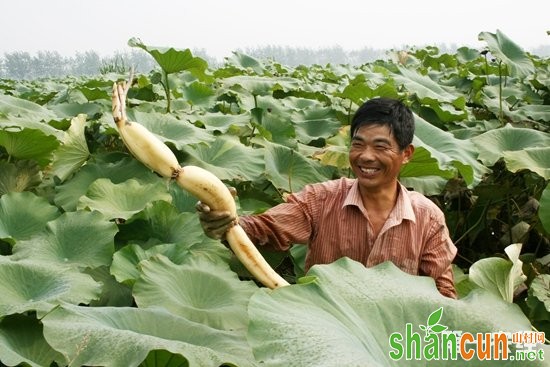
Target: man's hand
[[215, 224]]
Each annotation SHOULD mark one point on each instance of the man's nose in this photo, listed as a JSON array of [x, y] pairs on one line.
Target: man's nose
[[368, 153]]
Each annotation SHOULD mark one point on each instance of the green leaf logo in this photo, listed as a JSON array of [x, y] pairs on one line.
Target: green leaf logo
[[432, 325], [435, 316]]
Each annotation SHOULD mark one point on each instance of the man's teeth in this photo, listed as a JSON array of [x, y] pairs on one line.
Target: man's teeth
[[369, 170]]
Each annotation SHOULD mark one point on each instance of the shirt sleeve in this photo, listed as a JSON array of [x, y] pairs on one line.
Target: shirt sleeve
[[437, 257], [283, 225]]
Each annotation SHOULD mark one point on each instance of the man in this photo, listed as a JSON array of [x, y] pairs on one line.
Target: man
[[370, 219]]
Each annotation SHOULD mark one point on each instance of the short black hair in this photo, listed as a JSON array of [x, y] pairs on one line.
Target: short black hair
[[386, 111]]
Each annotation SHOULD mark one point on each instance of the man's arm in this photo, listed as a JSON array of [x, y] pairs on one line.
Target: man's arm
[[445, 283], [281, 226], [437, 257]]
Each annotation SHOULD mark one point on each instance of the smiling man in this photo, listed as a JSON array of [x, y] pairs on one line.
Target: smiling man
[[370, 219]]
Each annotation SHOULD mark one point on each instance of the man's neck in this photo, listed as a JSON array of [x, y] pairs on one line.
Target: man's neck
[[382, 200]]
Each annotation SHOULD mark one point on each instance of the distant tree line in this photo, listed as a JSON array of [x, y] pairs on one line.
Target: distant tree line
[[293, 56], [23, 65]]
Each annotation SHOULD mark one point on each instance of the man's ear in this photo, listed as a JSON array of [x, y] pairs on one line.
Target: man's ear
[[408, 153]]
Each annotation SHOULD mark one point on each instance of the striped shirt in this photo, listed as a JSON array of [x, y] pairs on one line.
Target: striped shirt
[[331, 219]]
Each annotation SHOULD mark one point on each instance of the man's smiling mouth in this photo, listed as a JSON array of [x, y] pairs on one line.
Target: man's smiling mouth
[[369, 170]]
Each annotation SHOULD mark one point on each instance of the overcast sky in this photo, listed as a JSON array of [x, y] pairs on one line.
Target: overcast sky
[[219, 27]]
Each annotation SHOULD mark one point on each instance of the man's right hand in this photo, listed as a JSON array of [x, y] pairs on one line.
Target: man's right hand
[[215, 223]]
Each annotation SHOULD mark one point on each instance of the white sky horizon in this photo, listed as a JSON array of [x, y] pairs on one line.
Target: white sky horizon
[[220, 27]]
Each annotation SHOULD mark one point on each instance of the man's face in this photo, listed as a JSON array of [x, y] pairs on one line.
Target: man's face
[[375, 157]]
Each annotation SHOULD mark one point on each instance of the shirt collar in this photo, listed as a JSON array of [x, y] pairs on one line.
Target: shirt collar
[[354, 197], [402, 210], [403, 207]]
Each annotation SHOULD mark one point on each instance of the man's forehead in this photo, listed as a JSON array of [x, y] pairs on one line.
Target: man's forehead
[[373, 131]]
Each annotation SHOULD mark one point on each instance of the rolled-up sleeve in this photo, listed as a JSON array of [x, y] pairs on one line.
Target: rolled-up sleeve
[[283, 225], [437, 256]]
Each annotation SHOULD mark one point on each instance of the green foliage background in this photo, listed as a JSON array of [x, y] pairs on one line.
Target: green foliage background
[[98, 253]]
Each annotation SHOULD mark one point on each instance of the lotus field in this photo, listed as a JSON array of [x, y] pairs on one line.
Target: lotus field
[[104, 263]]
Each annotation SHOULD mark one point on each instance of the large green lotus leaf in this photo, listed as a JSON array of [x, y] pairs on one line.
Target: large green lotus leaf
[[73, 152], [198, 290], [124, 199], [228, 159], [22, 341], [95, 93], [314, 123], [32, 285], [160, 222], [126, 261], [125, 265], [300, 103], [463, 284], [19, 176], [446, 105], [17, 107], [198, 94], [272, 119], [182, 199], [531, 111], [216, 121], [358, 90], [449, 113], [145, 90], [69, 110], [423, 173], [120, 170], [423, 164], [427, 185], [246, 62], [172, 60], [113, 293], [259, 85], [123, 337], [533, 159], [540, 288], [426, 89], [343, 314], [333, 155], [169, 129], [29, 123], [449, 151], [491, 99], [298, 255], [69, 96], [544, 209], [465, 54], [290, 170], [499, 276], [505, 50], [23, 214], [336, 150], [29, 144], [377, 85], [493, 143], [79, 239], [276, 127], [264, 106], [163, 358]]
